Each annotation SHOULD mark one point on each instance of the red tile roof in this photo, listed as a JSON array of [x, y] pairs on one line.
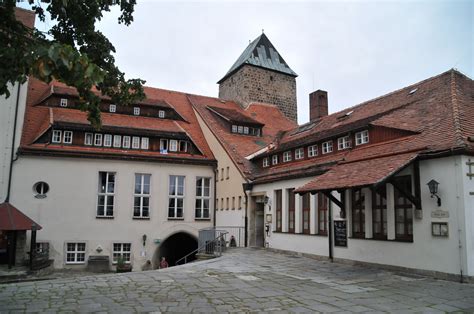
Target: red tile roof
[[239, 146], [12, 218], [360, 173], [26, 17], [39, 118], [234, 116]]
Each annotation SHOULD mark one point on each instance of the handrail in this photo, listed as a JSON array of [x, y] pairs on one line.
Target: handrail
[[201, 247]]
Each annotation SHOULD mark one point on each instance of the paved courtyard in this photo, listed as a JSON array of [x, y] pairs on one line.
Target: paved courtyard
[[243, 280]]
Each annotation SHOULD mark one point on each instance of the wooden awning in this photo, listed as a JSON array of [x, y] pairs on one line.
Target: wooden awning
[[12, 219], [359, 173]]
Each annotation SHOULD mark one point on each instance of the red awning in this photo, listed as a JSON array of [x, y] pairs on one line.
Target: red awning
[[12, 218], [358, 173]]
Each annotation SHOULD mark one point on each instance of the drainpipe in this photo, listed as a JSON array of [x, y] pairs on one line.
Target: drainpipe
[[247, 188], [7, 197], [215, 196], [459, 222]]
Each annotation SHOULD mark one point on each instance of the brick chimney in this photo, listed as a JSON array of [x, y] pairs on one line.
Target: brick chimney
[[318, 104]]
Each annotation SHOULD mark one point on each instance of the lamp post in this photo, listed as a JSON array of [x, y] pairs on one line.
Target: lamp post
[[433, 186]]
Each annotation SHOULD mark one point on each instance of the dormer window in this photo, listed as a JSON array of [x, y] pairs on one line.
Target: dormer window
[[161, 114], [246, 130], [63, 102], [287, 156], [240, 129], [136, 142], [108, 140], [362, 137], [126, 142], [275, 160], [136, 111], [313, 150], [327, 147], [117, 141], [57, 134], [173, 145], [234, 128], [88, 139], [299, 153], [183, 146], [145, 142], [265, 162], [112, 108], [67, 137], [163, 145], [343, 143]]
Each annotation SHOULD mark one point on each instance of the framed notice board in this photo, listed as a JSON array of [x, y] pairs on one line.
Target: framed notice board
[[340, 233]]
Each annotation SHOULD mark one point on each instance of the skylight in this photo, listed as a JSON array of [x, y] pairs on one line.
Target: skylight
[[413, 91]]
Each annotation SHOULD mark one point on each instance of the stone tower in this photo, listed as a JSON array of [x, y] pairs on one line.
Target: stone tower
[[261, 75]]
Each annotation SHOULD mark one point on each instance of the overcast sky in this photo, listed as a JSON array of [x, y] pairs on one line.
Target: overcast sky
[[354, 50]]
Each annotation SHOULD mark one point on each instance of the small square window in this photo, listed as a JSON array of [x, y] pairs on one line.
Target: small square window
[[112, 108], [117, 140], [108, 140], [265, 162], [136, 111], [97, 139], [145, 142], [299, 153], [274, 159], [313, 150], [136, 142], [88, 139], [67, 137], [57, 134], [327, 147], [343, 143], [161, 114], [126, 142], [240, 129], [362, 137], [63, 102], [287, 156]]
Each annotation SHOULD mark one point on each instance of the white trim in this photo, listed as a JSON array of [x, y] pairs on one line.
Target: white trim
[[55, 135], [112, 108], [203, 197], [88, 139], [176, 196], [118, 141], [76, 253], [67, 135]]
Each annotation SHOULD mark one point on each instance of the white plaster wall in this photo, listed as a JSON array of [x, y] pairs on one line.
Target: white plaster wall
[[7, 121], [468, 188], [68, 213]]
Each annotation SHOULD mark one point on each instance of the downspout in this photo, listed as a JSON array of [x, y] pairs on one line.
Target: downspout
[[215, 197], [246, 187], [460, 246], [7, 197]]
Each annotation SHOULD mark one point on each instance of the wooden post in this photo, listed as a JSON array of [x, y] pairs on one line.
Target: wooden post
[[32, 245]]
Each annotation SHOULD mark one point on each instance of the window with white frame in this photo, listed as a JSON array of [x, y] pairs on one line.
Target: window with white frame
[[57, 134], [176, 197], [112, 108], [203, 197], [173, 145], [161, 114], [240, 129], [287, 156], [163, 145], [97, 139], [126, 142], [88, 139], [299, 153], [313, 150], [75, 253], [274, 159], [234, 128], [327, 147], [67, 137], [136, 111], [141, 196], [343, 142], [246, 130], [117, 140], [106, 194], [63, 102], [122, 250], [108, 140], [362, 137], [136, 142], [145, 142], [265, 162]]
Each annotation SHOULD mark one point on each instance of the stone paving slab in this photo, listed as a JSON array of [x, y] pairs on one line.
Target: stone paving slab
[[242, 281]]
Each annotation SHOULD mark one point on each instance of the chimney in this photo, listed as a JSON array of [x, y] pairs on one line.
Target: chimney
[[318, 104]]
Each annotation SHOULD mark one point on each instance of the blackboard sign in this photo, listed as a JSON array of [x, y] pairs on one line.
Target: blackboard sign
[[340, 233]]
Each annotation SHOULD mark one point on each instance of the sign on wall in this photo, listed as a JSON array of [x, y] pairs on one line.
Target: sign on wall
[[439, 213], [340, 233]]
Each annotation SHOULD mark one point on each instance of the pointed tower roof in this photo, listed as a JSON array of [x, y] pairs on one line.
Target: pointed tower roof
[[261, 53]]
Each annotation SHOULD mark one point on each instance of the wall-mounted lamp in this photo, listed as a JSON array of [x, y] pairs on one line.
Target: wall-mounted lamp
[[144, 239], [433, 186]]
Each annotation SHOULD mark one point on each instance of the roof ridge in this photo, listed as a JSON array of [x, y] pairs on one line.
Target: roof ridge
[[455, 107]]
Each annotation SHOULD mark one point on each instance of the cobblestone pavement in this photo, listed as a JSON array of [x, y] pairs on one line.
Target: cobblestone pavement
[[243, 280]]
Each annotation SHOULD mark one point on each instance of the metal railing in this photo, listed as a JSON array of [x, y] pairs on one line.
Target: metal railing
[[211, 241], [236, 235]]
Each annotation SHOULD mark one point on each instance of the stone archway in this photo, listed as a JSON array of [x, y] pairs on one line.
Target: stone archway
[[175, 247]]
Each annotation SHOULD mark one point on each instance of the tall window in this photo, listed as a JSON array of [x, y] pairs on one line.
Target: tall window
[[75, 253], [203, 198], [403, 210], [299, 153], [327, 147], [121, 250], [56, 136], [67, 137], [306, 213], [291, 210], [287, 156], [362, 137], [105, 202], [183, 146], [141, 196], [176, 197], [322, 214], [88, 139], [358, 213], [278, 208], [117, 140], [379, 213], [312, 150], [107, 140], [97, 139], [240, 202]]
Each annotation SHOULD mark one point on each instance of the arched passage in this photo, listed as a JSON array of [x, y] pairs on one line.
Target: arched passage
[[175, 247]]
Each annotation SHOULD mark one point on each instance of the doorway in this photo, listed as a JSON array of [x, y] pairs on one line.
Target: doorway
[[259, 225], [175, 247]]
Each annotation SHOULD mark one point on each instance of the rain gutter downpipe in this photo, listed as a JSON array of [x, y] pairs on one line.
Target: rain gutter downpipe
[[247, 186], [10, 173]]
